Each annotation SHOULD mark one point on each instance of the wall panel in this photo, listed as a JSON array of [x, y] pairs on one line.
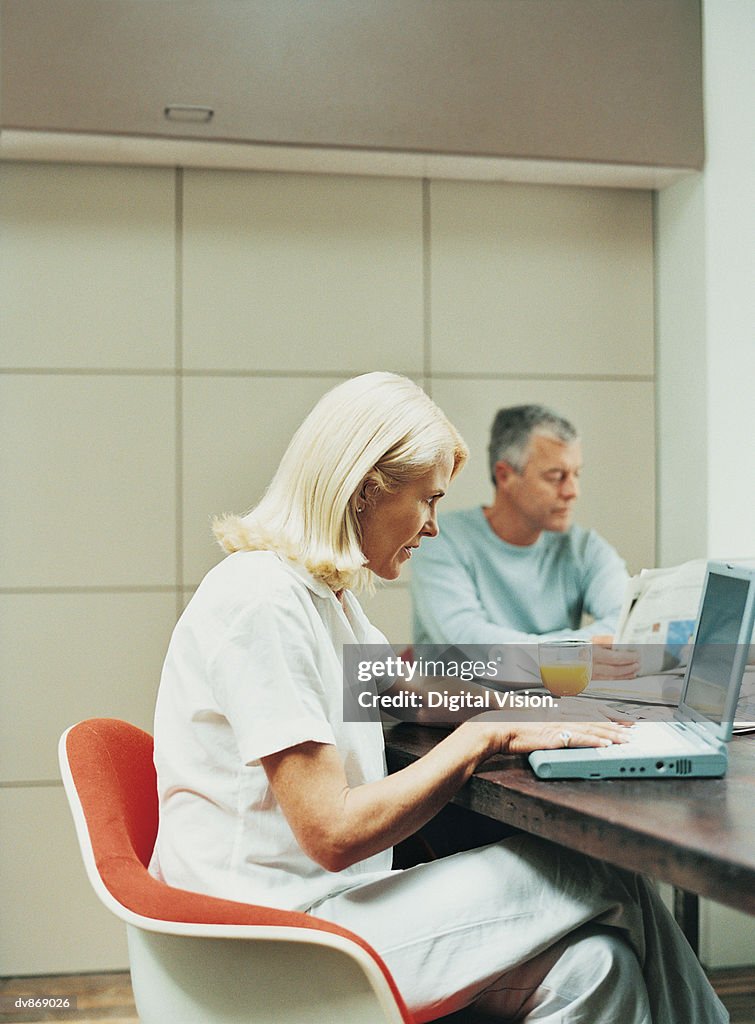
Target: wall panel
[[69, 656], [301, 272], [88, 269], [89, 481], [533, 280]]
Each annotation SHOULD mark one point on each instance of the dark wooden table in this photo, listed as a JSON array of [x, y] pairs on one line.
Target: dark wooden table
[[697, 834]]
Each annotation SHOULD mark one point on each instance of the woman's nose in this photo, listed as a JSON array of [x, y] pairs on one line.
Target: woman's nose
[[431, 526]]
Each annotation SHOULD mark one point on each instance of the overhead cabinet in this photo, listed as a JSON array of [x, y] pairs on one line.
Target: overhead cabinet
[[603, 81]]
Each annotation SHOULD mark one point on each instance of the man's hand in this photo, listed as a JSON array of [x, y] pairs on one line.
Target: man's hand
[[609, 662]]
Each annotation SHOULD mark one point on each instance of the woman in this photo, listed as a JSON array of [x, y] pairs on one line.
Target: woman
[[268, 796]]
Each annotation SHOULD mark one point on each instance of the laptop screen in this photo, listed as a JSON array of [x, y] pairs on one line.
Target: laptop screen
[[717, 650]]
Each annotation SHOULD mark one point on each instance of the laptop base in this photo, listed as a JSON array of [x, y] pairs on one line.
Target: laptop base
[[577, 764]]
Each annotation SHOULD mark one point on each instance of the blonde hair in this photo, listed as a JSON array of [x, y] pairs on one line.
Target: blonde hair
[[368, 435]]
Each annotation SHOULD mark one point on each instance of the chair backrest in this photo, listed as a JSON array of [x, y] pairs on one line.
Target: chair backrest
[[111, 763], [110, 781]]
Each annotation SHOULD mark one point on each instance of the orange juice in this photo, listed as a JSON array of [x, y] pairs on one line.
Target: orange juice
[[565, 680]]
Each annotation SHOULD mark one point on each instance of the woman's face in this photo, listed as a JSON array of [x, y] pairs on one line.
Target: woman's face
[[393, 524]]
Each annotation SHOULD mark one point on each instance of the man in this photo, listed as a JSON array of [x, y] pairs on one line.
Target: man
[[518, 571]]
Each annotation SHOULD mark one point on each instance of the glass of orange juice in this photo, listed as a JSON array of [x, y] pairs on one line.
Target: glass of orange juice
[[565, 666]]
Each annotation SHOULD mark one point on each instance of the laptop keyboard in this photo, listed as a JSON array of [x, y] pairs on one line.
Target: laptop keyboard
[[651, 739]]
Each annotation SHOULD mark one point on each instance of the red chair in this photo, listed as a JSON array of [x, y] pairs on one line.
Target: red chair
[[196, 959]]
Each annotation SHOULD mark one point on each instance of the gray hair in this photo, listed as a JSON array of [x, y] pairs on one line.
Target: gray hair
[[512, 432]]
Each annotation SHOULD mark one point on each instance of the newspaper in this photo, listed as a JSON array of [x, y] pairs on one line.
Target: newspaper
[[659, 612]]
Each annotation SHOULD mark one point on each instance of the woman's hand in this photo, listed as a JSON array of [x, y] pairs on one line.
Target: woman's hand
[[524, 737], [541, 736]]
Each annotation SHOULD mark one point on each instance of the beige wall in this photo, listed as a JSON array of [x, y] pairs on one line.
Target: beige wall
[[162, 333]]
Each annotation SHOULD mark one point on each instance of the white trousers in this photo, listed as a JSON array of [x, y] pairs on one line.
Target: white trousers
[[529, 931]]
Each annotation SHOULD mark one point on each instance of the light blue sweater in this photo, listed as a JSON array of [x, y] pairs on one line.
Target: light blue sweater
[[471, 587]]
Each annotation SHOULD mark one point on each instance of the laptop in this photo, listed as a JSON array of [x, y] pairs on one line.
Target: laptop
[[694, 744]]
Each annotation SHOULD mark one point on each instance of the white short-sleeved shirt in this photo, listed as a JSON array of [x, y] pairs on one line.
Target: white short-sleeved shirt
[[254, 666]]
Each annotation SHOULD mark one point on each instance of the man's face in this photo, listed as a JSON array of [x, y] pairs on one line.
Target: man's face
[[544, 493]]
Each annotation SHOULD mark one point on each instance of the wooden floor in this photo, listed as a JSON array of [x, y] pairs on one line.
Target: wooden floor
[[106, 998]]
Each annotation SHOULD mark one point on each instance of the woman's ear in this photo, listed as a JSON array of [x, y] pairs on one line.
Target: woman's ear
[[369, 492]]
